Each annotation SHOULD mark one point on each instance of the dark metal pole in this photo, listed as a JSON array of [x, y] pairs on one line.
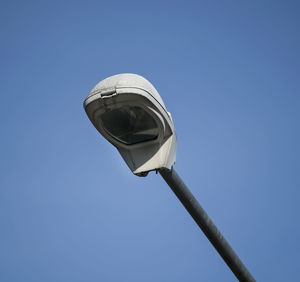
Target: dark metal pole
[[205, 223]]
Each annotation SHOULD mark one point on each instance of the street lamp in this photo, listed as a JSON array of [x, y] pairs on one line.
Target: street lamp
[[128, 111]]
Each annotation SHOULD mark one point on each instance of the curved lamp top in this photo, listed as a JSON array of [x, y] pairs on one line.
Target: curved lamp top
[[126, 80]]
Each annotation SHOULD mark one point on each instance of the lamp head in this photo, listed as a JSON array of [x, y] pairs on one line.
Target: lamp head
[[128, 111]]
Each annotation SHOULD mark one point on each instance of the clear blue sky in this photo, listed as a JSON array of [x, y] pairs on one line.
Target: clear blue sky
[[228, 71]]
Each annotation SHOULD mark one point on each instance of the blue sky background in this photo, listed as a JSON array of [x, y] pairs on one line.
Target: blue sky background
[[228, 71]]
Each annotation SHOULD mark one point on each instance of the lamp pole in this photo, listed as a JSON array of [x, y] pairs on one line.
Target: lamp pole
[[206, 225]]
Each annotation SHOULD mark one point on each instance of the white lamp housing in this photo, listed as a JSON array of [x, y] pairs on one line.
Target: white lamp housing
[[128, 111]]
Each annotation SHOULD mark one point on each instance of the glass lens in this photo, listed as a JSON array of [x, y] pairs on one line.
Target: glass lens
[[130, 125]]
